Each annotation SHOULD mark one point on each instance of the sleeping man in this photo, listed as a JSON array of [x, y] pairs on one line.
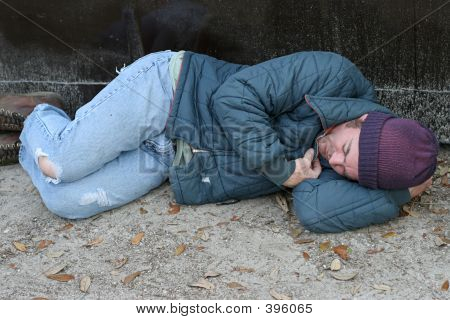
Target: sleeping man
[[308, 121]]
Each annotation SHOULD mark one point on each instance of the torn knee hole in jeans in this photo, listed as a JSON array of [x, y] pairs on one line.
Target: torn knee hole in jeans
[[48, 168], [100, 197]]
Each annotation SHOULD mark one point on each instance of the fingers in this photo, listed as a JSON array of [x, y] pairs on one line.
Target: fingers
[[419, 189], [309, 155], [305, 168], [316, 168]]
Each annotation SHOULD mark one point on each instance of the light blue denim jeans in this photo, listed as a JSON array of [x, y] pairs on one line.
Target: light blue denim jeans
[[114, 151]]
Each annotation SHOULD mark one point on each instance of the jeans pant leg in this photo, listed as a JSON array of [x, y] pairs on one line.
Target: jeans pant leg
[[132, 108], [124, 179]]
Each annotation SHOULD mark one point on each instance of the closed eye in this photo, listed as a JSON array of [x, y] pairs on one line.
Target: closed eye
[[346, 151]]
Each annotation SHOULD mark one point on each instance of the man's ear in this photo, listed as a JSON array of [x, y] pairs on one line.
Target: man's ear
[[363, 117]]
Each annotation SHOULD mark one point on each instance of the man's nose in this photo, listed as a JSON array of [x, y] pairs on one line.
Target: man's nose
[[336, 159]]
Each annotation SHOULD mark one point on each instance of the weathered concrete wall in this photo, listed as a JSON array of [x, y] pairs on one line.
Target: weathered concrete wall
[[410, 69]]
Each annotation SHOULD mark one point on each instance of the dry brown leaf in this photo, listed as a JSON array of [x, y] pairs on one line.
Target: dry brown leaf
[[174, 208], [12, 266], [306, 255], [390, 234], [61, 277], [335, 265], [180, 249], [243, 269], [56, 268], [85, 283], [376, 250], [444, 181], [438, 229], [443, 170], [137, 238], [324, 246], [279, 296], [439, 210], [198, 234], [344, 276], [205, 236], [341, 251], [276, 229], [54, 254], [236, 285], [44, 244], [211, 274], [200, 248], [115, 272], [408, 211], [425, 199], [445, 240], [221, 224], [94, 242], [119, 263], [201, 234], [295, 232], [303, 241], [382, 287], [66, 227], [235, 218], [20, 246], [444, 286], [439, 242], [131, 277], [403, 213], [202, 283], [281, 200], [355, 290], [142, 211], [40, 298]]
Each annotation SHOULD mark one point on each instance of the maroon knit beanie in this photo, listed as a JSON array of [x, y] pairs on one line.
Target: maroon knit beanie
[[395, 153]]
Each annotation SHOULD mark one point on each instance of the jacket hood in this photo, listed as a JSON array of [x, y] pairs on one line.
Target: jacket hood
[[333, 111]]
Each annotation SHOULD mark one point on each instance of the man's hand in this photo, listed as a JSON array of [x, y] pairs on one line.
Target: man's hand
[[305, 168], [417, 190]]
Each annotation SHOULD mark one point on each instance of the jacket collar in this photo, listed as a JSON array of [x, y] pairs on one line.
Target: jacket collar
[[335, 110]]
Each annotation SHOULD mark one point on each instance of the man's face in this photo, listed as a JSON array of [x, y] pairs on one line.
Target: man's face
[[341, 148]]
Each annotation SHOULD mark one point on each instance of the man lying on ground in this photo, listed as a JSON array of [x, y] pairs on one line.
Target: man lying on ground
[[308, 121]]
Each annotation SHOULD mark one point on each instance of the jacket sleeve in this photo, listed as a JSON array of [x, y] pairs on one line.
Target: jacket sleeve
[[247, 102], [332, 203]]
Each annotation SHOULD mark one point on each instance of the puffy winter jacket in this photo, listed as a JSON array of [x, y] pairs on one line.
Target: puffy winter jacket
[[248, 124]]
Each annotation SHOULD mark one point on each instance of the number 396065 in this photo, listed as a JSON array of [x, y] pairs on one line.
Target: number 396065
[[288, 308]]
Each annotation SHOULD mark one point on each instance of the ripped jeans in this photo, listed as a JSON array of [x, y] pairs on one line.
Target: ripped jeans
[[114, 151]]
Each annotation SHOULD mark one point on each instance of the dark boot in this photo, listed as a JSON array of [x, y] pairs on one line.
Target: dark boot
[[9, 148], [15, 108]]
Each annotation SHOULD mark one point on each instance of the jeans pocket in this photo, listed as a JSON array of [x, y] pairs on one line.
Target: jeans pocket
[[163, 152]]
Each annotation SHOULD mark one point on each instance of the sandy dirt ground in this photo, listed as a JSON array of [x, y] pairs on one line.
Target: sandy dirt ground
[[248, 250]]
